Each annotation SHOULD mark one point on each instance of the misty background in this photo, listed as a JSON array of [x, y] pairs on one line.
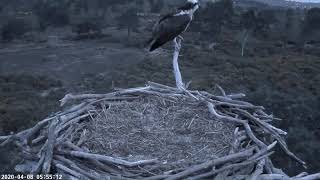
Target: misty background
[[269, 50]]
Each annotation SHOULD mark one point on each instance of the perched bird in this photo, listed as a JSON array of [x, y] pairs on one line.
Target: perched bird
[[172, 25]]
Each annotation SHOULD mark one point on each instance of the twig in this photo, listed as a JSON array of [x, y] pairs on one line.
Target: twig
[[50, 147], [211, 163], [228, 167], [72, 165], [259, 170], [106, 159], [67, 170]]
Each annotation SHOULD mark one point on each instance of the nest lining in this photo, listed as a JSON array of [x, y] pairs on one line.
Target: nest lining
[[179, 132]]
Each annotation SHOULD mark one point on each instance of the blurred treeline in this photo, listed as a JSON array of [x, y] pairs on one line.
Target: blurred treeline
[[257, 31], [24, 19]]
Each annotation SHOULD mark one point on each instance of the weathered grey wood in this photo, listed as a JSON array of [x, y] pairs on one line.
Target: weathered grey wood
[[68, 170], [259, 170], [106, 159], [309, 177], [50, 147], [244, 40], [252, 135], [256, 157], [73, 166], [196, 168], [176, 69]]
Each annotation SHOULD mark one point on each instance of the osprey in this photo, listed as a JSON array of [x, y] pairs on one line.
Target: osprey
[[172, 25]]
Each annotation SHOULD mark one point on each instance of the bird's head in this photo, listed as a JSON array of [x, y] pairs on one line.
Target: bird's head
[[195, 3], [191, 5]]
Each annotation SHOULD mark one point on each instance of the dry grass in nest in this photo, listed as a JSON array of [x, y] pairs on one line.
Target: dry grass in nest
[[180, 133]]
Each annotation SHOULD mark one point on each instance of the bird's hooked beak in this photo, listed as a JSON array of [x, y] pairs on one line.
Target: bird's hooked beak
[[198, 4]]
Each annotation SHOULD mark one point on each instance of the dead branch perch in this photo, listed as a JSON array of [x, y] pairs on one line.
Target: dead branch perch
[[177, 73]]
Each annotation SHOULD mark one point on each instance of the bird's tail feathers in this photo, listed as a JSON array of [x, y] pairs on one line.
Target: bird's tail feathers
[[153, 47], [156, 45], [147, 43]]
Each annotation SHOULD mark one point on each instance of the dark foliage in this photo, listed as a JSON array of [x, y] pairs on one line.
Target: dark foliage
[[21, 106], [20, 97], [248, 20], [219, 11], [114, 2], [81, 5], [156, 5], [129, 19], [264, 19], [14, 28], [293, 96], [289, 19], [89, 28], [52, 13], [212, 17], [312, 20]]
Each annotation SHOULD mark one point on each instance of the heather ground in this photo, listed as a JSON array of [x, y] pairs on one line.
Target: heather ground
[[33, 77]]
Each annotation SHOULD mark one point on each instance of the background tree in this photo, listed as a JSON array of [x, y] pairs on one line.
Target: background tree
[[129, 19], [156, 5], [248, 22], [83, 7], [51, 12], [88, 28], [212, 17], [14, 28], [265, 18], [312, 19], [310, 33], [293, 27]]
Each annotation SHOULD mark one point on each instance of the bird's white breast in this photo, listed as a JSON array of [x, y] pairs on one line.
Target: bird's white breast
[[188, 12], [193, 1]]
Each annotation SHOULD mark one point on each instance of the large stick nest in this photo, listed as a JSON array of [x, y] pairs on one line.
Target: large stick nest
[[154, 132]]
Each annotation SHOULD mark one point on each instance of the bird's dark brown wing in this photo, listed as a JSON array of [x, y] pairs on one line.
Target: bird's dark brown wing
[[168, 15], [169, 28]]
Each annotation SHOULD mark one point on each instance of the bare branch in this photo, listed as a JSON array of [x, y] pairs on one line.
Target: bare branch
[[106, 159], [211, 163]]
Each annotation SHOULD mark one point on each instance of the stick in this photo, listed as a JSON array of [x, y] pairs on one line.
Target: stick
[[49, 152], [230, 119], [67, 170], [211, 163], [107, 159], [267, 127], [258, 171], [98, 164], [176, 69], [273, 177], [228, 167], [72, 165], [310, 177], [256, 157], [243, 122]]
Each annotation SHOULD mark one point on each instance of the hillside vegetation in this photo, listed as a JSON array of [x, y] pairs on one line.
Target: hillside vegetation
[[270, 54]]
